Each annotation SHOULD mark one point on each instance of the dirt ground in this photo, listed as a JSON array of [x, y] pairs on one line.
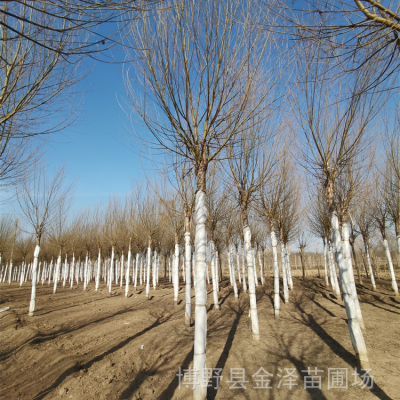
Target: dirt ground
[[88, 345]]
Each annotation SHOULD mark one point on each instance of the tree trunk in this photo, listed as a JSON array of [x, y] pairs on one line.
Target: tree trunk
[[244, 271], [128, 271], [110, 274], [255, 266], [57, 273], [334, 279], [356, 335], [325, 266], [200, 325], [175, 273], [389, 259], [34, 275], [252, 285], [277, 305], [302, 259], [288, 267], [214, 275], [238, 264], [284, 277], [71, 272], [349, 265], [148, 266], [188, 259], [356, 263], [371, 272], [231, 260]]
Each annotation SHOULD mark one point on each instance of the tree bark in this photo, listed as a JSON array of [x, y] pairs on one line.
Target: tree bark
[[325, 267], [188, 259], [277, 305], [390, 263], [349, 265], [200, 325], [284, 277], [356, 335], [32, 303], [252, 285]]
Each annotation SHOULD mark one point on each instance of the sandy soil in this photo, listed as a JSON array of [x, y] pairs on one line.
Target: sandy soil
[[88, 345]]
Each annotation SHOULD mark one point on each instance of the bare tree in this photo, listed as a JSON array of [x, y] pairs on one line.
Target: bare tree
[[39, 199], [250, 162], [6, 231], [189, 64], [358, 34], [335, 121], [381, 214]]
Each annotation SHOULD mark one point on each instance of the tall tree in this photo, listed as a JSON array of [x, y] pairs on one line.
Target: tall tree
[[189, 64]]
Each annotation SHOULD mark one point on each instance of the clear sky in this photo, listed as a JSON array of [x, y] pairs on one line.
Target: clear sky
[[96, 148]]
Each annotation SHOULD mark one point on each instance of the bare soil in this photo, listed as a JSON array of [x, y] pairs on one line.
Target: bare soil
[[88, 345]]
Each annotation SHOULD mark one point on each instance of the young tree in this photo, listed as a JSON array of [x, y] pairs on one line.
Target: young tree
[[250, 164], [39, 199]]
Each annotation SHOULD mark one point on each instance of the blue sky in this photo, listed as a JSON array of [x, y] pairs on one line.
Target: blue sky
[[96, 148]]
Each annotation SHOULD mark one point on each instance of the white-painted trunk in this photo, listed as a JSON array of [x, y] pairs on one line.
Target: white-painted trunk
[[238, 266], [175, 273], [71, 272], [353, 325], [391, 270], [326, 267], [155, 270], [136, 269], [214, 275], [235, 290], [85, 272], [121, 280], [127, 272], [254, 266], [188, 295], [334, 279], [21, 281], [217, 268], [398, 247], [34, 271], [141, 271], [349, 265], [288, 267], [111, 270], [252, 286], [277, 304], [230, 267], [200, 325], [148, 272], [284, 277], [55, 278], [371, 273], [194, 268], [261, 267], [244, 271], [98, 270], [10, 267]]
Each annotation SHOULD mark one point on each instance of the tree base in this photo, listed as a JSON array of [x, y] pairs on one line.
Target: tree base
[[276, 313]]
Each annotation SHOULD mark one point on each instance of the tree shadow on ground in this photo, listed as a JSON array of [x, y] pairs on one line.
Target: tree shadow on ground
[[39, 338], [169, 391], [88, 364], [212, 391], [335, 346]]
